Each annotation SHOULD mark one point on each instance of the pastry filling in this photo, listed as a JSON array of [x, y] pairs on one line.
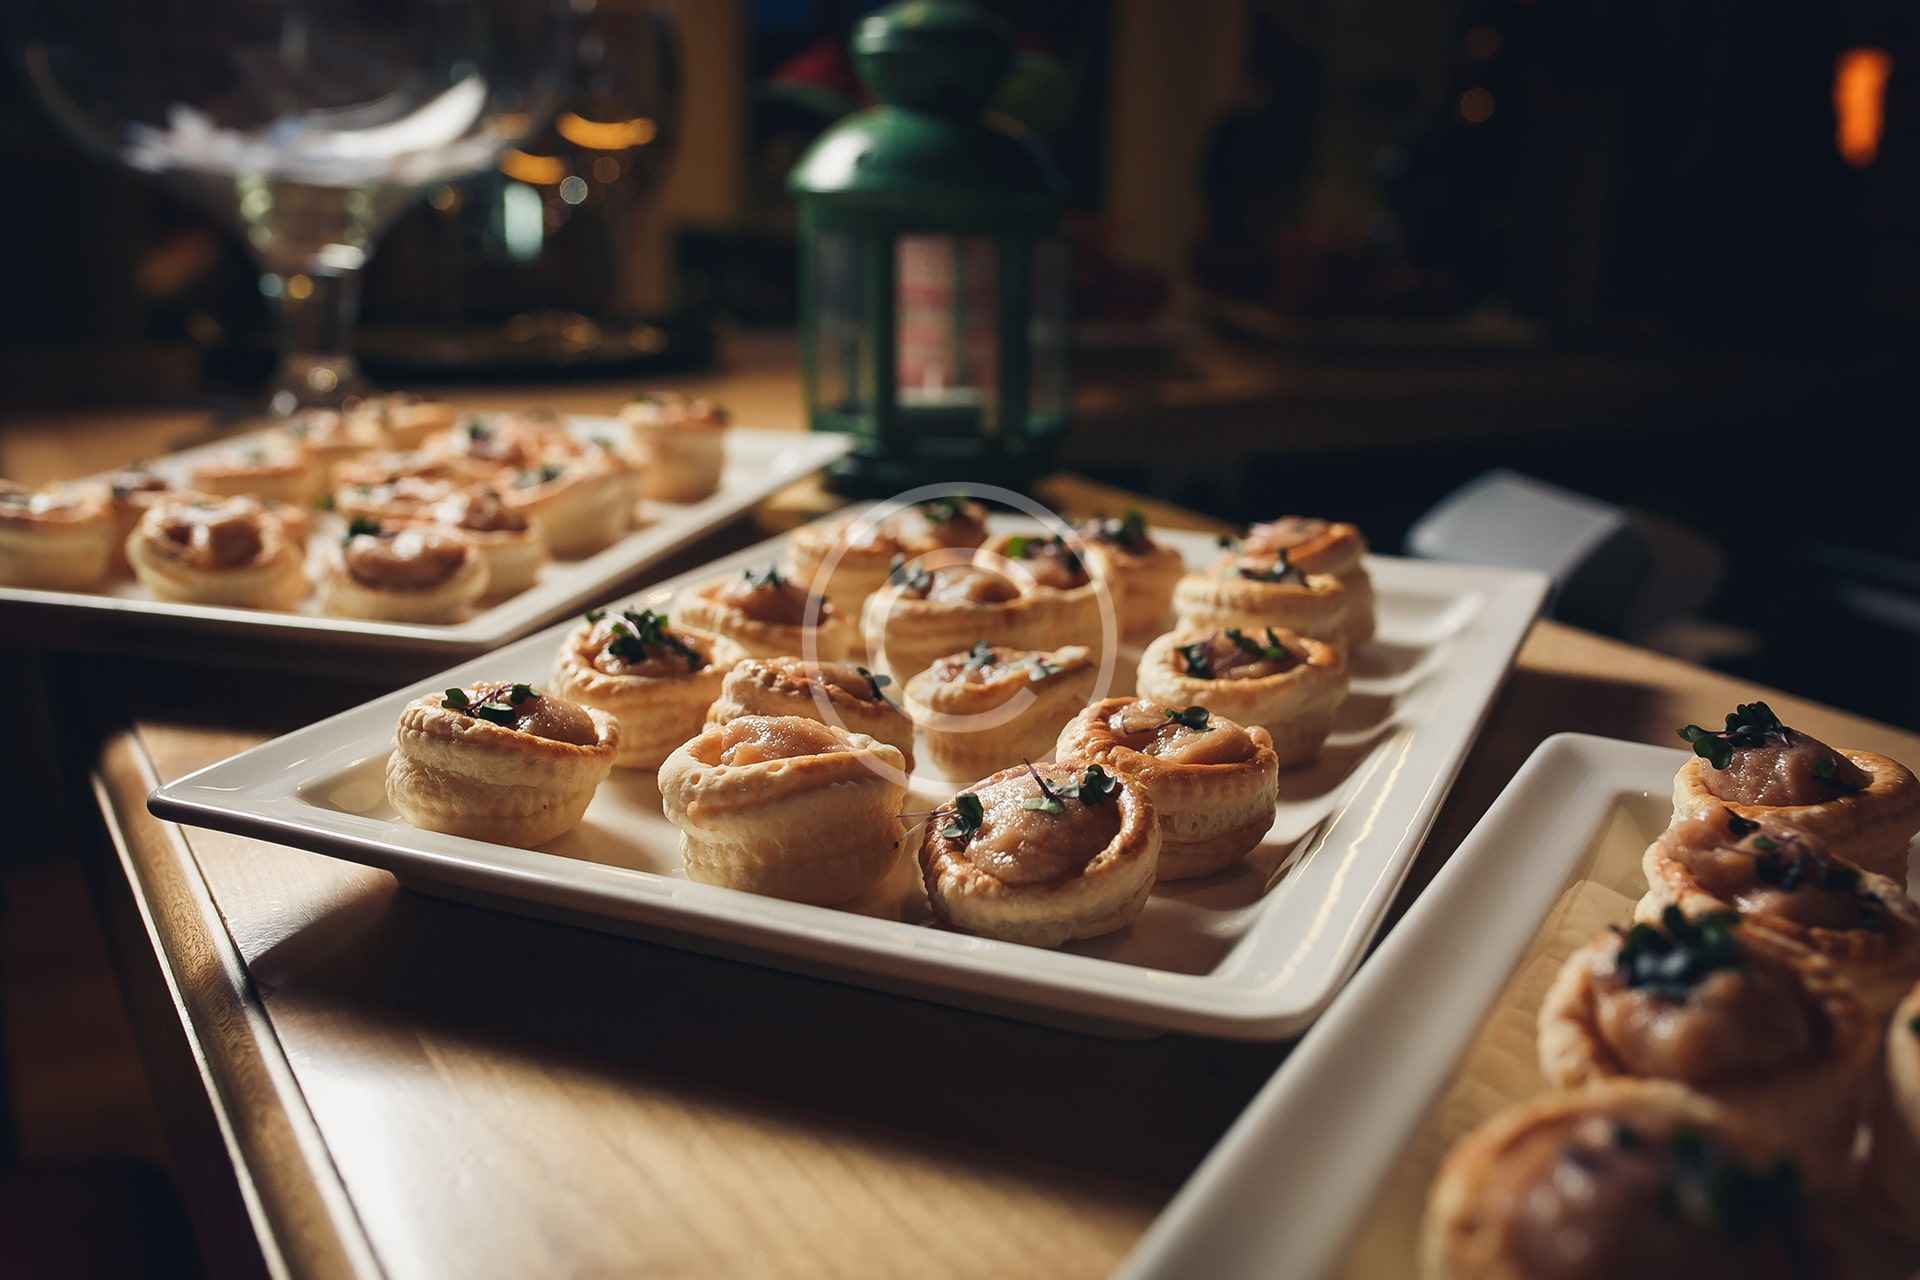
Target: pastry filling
[[1284, 534], [1686, 1002], [1190, 736], [1233, 654], [524, 709], [479, 510], [415, 559], [1052, 561], [214, 535], [1603, 1199], [1271, 567], [1128, 533], [1757, 760], [951, 584], [757, 739], [1776, 872], [939, 522], [764, 595], [1041, 826], [639, 643], [987, 663]]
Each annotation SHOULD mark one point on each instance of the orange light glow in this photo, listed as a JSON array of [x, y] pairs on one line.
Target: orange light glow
[[1859, 103], [541, 171], [605, 135], [1476, 106]]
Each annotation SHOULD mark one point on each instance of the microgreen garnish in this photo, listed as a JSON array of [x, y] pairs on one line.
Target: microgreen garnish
[[1227, 541], [1095, 785], [535, 478], [1740, 827], [1192, 717], [498, 713], [980, 657], [520, 693], [594, 615], [767, 577], [1128, 532], [479, 429], [941, 510], [646, 630], [1670, 961], [1199, 659], [1048, 801], [1751, 724], [1913, 1025], [1271, 649], [1279, 571], [909, 578], [967, 815], [325, 502], [1824, 769], [360, 525], [1793, 869], [1714, 1190], [1015, 547], [875, 682], [1021, 547], [456, 700], [1039, 669]]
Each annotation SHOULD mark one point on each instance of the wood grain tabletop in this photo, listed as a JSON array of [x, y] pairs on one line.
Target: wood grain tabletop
[[369, 1081]]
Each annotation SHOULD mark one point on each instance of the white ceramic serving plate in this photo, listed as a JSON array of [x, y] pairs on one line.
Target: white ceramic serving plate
[[1254, 953], [1286, 1188], [759, 463]]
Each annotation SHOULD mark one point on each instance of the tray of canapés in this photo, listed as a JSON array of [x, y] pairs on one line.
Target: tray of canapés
[[1105, 773], [402, 522], [1658, 1017]]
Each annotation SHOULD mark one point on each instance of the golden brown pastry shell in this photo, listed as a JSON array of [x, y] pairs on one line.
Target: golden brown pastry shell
[[656, 713], [1881, 965], [904, 635], [1220, 598], [1872, 828], [1295, 707], [344, 596], [1814, 1107], [1338, 548], [1893, 1177], [274, 579], [698, 610], [1104, 896], [790, 687], [954, 716], [858, 570], [1142, 585], [289, 475], [1464, 1238], [1211, 815], [585, 510], [68, 550], [815, 828], [468, 777]]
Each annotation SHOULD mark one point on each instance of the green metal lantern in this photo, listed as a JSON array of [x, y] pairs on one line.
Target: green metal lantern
[[933, 279]]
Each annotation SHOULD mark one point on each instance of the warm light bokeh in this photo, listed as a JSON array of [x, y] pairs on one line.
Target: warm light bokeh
[[1859, 103]]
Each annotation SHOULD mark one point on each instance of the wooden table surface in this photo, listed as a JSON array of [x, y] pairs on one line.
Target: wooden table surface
[[358, 1080]]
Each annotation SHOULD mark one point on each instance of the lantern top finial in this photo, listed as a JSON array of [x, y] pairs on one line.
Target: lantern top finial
[[942, 56]]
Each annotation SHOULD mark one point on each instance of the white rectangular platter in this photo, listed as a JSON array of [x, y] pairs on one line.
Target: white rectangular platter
[[1325, 1173], [759, 463], [1253, 953]]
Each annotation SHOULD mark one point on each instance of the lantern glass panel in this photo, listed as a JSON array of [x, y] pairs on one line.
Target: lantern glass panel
[[1047, 335], [842, 332], [947, 300]]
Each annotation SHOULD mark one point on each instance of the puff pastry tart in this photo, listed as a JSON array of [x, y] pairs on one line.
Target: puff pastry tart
[[1063, 600], [856, 556], [766, 615], [206, 550], [401, 498], [681, 444], [500, 762], [402, 573], [656, 680], [786, 807], [331, 438], [274, 470], [1042, 854], [1761, 1024], [493, 443], [836, 693], [58, 539], [1895, 1168], [1865, 807], [1322, 546], [1632, 1178], [129, 494], [923, 614], [992, 706], [1289, 685], [584, 503], [1139, 572], [406, 421], [1213, 783], [511, 545], [1784, 882], [1255, 592]]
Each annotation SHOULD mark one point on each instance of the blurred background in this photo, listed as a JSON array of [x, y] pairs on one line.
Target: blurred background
[[1626, 291]]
